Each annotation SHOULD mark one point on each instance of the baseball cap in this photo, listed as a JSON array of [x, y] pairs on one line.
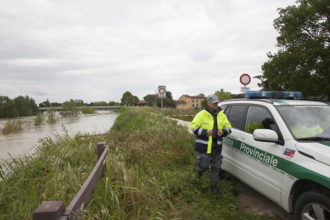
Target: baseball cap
[[213, 99]]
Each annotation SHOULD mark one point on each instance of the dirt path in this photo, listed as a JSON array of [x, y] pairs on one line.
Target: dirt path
[[250, 200], [253, 202]]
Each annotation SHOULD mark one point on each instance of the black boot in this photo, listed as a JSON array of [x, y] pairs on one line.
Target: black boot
[[199, 174], [215, 190]]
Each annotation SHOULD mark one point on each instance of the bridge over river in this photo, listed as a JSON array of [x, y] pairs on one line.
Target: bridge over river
[[60, 108]]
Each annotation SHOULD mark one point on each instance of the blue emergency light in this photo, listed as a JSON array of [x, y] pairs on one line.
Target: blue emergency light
[[272, 95]]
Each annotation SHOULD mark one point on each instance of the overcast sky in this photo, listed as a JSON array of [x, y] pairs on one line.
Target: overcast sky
[[96, 50]]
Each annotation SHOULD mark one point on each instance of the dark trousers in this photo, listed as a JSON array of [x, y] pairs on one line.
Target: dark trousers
[[212, 161]]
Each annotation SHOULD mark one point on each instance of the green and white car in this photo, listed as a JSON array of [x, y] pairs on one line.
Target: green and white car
[[281, 148]]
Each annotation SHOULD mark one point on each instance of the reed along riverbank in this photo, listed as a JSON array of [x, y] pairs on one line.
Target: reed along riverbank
[[150, 175]]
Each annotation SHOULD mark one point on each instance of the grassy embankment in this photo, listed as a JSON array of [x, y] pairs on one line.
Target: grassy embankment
[[150, 175], [186, 115]]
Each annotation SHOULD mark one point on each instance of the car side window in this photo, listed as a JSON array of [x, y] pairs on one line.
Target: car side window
[[259, 117], [236, 116], [224, 107]]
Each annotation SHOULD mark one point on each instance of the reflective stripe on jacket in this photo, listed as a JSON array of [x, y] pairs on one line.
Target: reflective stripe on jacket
[[202, 122]]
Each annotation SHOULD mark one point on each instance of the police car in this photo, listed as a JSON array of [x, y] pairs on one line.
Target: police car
[[281, 148]]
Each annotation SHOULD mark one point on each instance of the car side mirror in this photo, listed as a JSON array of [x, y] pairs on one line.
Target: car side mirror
[[266, 135]]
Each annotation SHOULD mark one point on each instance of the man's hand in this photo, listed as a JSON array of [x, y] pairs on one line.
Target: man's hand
[[220, 133], [209, 132]]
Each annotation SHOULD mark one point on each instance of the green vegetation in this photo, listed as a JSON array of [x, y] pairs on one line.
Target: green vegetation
[[152, 100], [39, 118], [129, 100], [55, 172], [150, 175], [51, 116], [88, 110], [20, 106], [12, 126], [69, 109], [302, 61], [102, 103]]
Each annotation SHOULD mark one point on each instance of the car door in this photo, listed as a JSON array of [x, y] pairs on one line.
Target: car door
[[255, 162]]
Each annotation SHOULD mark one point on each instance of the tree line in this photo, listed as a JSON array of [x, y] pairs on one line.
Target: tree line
[[302, 62], [19, 106], [78, 102]]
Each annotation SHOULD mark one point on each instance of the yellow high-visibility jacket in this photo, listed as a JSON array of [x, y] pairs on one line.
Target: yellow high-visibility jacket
[[202, 122]]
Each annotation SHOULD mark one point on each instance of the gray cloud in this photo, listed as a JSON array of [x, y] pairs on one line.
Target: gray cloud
[[97, 50]]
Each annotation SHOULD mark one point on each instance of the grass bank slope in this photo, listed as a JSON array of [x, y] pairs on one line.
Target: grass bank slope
[[151, 175], [55, 172]]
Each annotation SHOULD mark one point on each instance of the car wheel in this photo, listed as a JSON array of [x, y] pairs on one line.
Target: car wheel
[[312, 205]]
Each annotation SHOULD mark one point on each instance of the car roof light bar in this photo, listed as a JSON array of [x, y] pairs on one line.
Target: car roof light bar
[[272, 95]]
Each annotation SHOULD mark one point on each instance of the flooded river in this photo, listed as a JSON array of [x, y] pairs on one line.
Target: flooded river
[[25, 141]]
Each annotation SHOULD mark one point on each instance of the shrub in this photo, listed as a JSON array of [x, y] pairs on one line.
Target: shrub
[[38, 119], [12, 126], [88, 110]]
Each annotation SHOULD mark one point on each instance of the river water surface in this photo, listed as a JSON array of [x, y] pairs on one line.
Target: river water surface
[[24, 142]]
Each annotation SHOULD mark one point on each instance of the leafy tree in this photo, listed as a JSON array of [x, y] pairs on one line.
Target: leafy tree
[[45, 104], [78, 102], [222, 95], [168, 102], [69, 108], [302, 62], [25, 106], [150, 99], [129, 99], [99, 103], [7, 108], [204, 103], [20, 106], [55, 104], [113, 103]]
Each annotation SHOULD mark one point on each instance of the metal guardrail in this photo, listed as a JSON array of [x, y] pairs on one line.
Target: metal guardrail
[[54, 210]]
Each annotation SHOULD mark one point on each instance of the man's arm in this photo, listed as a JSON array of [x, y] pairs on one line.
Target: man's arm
[[196, 128]]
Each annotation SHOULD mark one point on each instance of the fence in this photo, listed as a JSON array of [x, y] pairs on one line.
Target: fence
[[54, 210]]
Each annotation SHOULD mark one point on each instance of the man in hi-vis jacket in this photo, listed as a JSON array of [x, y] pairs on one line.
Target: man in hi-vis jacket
[[209, 126]]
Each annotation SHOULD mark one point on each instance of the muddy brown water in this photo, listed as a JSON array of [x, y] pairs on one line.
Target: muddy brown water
[[25, 142]]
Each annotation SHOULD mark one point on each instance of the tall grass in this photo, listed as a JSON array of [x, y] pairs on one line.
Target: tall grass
[[186, 115], [151, 175], [38, 119], [55, 172], [12, 126], [51, 118]]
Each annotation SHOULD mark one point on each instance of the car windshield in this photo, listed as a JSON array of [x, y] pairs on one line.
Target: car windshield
[[310, 123]]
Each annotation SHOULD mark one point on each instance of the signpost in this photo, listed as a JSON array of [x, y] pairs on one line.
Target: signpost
[[245, 79], [162, 95]]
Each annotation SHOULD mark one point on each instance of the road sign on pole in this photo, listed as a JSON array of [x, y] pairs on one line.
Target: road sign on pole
[[162, 95], [162, 92], [245, 79]]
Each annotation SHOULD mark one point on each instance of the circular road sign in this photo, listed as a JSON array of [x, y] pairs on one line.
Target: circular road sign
[[161, 90], [245, 79]]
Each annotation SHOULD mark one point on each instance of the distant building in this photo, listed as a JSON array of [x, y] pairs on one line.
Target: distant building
[[142, 103], [189, 102]]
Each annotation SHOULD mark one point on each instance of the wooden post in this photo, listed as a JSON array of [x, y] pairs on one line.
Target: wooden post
[[50, 210], [100, 149], [54, 210]]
